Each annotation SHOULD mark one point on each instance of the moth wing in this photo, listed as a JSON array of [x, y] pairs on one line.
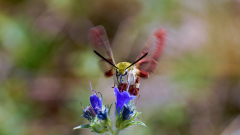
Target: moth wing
[[99, 40], [154, 47]]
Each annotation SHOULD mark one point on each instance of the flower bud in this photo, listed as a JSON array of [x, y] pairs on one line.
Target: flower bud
[[88, 113], [102, 115], [126, 112], [98, 127]]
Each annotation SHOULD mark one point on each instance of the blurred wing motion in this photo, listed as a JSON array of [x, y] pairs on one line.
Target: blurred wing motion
[[154, 47], [99, 40]]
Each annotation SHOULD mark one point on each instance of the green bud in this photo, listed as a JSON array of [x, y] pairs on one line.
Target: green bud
[[98, 128]]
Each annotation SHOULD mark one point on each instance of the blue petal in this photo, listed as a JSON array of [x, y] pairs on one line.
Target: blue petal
[[122, 98], [96, 103], [127, 97], [102, 115], [119, 98], [100, 103]]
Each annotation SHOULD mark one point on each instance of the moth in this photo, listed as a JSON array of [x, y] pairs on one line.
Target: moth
[[126, 75]]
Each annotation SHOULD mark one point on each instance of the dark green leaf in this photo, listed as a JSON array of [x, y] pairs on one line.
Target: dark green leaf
[[109, 109], [82, 126]]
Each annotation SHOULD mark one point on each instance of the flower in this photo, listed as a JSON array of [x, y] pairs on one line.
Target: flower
[[98, 114], [96, 102], [102, 115], [126, 112], [122, 98], [88, 113]]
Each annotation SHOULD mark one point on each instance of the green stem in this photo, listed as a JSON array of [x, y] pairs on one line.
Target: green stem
[[109, 127], [116, 132], [111, 130]]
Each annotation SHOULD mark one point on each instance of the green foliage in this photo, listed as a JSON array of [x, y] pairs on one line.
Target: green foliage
[[82, 126], [133, 123], [109, 109], [172, 116], [122, 124], [193, 72], [98, 128]]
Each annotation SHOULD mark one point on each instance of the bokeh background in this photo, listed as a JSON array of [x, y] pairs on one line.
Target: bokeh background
[[46, 62]]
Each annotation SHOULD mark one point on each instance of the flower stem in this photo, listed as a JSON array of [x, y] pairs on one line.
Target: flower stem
[[116, 132], [111, 130]]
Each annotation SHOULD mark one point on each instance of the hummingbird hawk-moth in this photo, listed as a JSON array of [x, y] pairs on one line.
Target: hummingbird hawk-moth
[[126, 75]]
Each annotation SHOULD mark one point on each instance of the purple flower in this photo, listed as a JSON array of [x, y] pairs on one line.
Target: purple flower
[[96, 102], [122, 98]]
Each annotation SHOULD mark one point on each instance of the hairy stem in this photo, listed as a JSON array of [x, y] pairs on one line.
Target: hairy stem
[[116, 132]]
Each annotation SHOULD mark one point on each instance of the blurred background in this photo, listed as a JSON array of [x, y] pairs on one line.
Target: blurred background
[[46, 62]]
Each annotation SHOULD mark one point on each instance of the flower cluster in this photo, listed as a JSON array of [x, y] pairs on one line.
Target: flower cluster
[[98, 114]]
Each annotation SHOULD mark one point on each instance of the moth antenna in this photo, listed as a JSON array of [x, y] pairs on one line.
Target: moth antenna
[[138, 60], [104, 59]]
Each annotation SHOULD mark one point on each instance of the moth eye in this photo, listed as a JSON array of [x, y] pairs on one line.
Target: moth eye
[[125, 73], [117, 72]]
